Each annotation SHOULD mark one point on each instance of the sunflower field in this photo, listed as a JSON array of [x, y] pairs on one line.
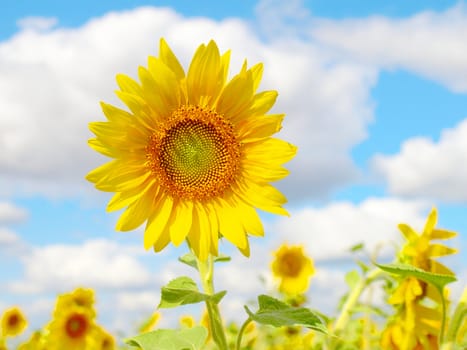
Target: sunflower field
[[193, 158]]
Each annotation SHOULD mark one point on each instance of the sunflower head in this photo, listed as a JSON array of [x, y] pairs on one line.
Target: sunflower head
[[293, 268], [194, 156], [13, 322], [72, 328]]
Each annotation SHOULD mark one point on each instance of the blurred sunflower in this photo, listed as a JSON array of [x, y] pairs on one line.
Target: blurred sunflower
[[72, 328], [194, 157], [83, 297], [13, 322], [420, 251], [417, 323], [293, 268]]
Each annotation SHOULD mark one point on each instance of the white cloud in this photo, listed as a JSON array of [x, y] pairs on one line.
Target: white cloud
[[428, 169], [10, 213], [329, 232], [63, 73], [96, 263], [429, 43]]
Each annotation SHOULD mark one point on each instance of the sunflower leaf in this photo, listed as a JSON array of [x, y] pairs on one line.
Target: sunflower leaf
[[182, 291], [169, 339], [438, 280], [277, 313]]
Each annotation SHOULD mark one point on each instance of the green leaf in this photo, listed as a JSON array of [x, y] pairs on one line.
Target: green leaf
[[182, 291], [277, 313], [190, 259], [357, 247], [170, 339], [352, 278], [438, 280]]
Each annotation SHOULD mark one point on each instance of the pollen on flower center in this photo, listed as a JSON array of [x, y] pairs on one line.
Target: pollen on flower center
[[195, 154], [76, 326]]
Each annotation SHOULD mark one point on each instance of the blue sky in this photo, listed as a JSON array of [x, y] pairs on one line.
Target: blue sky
[[375, 97]]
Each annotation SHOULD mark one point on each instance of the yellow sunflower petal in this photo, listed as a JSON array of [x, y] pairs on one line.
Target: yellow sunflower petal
[[137, 212], [440, 250], [204, 78], [115, 115], [128, 85], [181, 221], [250, 220], [102, 148], [264, 197], [229, 225], [135, 103], [161, 86], [270, 151], [123, 199], [101, 172], [257, 128], [438, 233], [213, 221], [125, 180], [263, 102], [437, 267], [430, 222], [257, 74], [236, 97], [408, 232], [200, 237], [168, 57], [158, 220]]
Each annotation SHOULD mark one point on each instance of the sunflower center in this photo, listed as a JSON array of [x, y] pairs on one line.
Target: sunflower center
[[13, 320], [291, 265], [194, 154], [76, 326]]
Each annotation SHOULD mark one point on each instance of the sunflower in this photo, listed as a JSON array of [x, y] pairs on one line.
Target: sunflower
[[194, 157], [13, 322], [83, 297], [72, 328], [293, 268], [417, 323]]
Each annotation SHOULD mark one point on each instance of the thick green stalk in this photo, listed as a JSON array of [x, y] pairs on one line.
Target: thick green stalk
[[352, 299], [206, 271]]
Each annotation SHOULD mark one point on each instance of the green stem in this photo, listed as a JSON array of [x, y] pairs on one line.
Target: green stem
[[352, 299], [455, 323], [206, 271], [443, 319], [240, 333]]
